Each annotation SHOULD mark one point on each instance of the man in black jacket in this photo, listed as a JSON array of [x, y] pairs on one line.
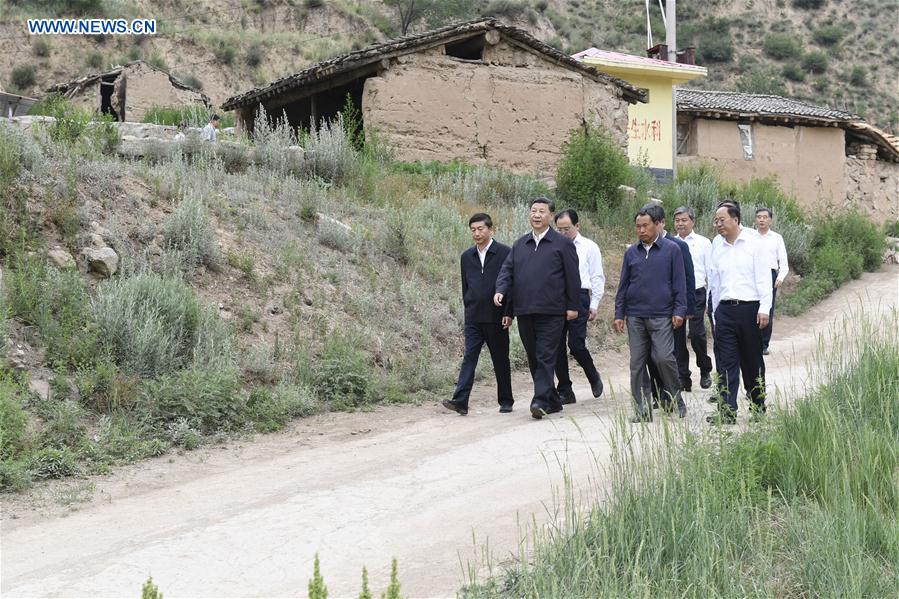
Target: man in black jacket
[[483, 320], [541, 276]]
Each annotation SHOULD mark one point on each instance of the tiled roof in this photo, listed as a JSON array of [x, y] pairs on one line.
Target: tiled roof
[[347, 62], [738, 104]]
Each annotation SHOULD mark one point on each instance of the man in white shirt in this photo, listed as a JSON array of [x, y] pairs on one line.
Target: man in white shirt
[[776, 255], [593, 282], [209, 133], [740, 289], [700, 250]]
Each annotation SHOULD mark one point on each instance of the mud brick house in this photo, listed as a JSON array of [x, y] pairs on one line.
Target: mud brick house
[[479, 91], [127, 92], [825, 157]]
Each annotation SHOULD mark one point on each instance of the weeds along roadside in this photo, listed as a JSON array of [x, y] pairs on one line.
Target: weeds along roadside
[[806, 504], [263, 278]]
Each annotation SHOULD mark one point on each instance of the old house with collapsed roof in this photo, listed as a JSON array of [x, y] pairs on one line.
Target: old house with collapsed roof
[[822, 155], [479, 91], [127, 92]]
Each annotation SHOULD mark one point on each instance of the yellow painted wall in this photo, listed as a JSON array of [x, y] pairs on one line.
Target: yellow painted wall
[[650, 126]]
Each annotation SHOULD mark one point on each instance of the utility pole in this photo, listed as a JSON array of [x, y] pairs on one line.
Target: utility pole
[[671, 41]]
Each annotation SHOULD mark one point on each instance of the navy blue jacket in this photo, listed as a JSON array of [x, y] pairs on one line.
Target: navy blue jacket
[[689, 275], [652, 286], [479, 284], [541, 279]]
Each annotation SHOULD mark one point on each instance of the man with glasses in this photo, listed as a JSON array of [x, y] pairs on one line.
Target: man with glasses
[[592, 288], [740, 293]]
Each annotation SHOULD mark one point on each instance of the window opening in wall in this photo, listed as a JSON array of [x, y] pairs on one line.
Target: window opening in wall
[[470, 49]]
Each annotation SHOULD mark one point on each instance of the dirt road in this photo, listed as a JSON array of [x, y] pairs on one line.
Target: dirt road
[[426, 486]]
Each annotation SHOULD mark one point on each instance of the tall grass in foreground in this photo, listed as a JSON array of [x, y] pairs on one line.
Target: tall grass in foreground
[[807, 505]]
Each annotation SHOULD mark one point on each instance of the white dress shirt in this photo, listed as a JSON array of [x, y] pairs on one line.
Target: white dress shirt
[[483, 255], [589, 260], [775, 253], [738, 271], [538, 238], [208, 133], [700, 250]]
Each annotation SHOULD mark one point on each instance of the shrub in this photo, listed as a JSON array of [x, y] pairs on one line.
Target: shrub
[[761, 82], [12, 421], [343, 377], [152, 325], [271, 137], [94, 60], [592, 168], [336, 236], [223, 52], [10, 158], [190, 232], [270, 410], [52, 463], [22, 76], [330, 155], [191, 80], [255, 55], [815, 62], [40, 48], [481, 185], [781, 46], [858, 76], [793, 72], [192, 116], [828, 35], [209, 400], [808, 4], [14, 476], [714, 49]]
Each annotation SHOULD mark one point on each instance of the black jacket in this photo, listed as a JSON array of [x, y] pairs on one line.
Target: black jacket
[[479, 285], [544, 280]]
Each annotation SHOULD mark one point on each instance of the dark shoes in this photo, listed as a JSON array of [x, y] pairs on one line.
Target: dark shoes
[[505, 408], [705, 380], [686, 386], [567, 397], [765, 351], [539, 410], [455, 406], [596, 387]]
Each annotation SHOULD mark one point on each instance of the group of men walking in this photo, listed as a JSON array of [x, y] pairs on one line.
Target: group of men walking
[[552, 280]]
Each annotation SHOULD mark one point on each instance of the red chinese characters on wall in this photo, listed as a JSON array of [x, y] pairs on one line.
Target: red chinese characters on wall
[[645, 130]]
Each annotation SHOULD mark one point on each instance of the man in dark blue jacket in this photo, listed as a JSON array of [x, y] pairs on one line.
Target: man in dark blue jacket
[[680, 333], [652, 297], [483, 320], [541, 276]]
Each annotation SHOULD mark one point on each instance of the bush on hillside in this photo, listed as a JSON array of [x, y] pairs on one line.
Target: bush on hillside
[[781, 46], [13, 420], [828, 35], [330, 154], [858, 76], [190, 232], [809, 4], [759, 81], [22, 76], [793, 72], [192, 116], [815, 62], [592, 168], [207, 399]]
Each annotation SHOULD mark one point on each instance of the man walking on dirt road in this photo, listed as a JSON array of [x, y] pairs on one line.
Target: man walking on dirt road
[[652, 302], [776, 255], [484, 321], [700, 248], [740, 289], [541, 277], [593, 282]]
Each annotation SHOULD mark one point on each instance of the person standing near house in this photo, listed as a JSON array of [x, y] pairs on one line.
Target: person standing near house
[[652, 303], [484, 321], [541, 277], [776, 254], [209, 132], [593, 282], [700, 249], [740, 290]]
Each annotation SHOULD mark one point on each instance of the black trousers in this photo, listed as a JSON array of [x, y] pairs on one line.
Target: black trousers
[[738, 349], [497, 340], [575, 331], [697, 334], [540, 335], [766, 332]]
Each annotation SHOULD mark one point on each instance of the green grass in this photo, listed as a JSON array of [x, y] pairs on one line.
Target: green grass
[[806, 504]]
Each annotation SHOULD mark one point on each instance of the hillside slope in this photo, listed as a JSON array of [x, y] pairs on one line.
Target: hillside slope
[[828, 52]]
